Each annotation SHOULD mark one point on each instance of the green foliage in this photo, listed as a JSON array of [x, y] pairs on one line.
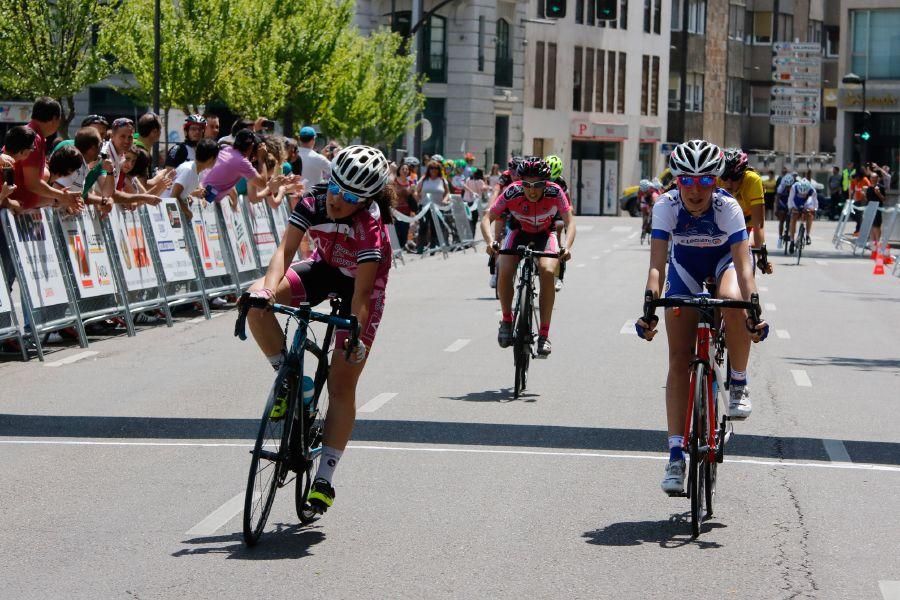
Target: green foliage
[[46, 48]]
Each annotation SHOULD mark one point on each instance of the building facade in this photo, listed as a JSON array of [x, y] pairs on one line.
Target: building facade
[[871, 50], [594, 95], [472, 54]]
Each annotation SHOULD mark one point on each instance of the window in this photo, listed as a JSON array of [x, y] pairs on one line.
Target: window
[[588, 79], [648, 15], [654, 80], [610, 82], [674, 92], [832, 41], [591, 12], [734, 96], [875, 43], [435, 109], [541, 146], [622, 21], [785, 31], [576, 80], [814, 32], [503, 74], [759, 100], [551, 76], [676, 14], [831, 113], [539, 75], [697, 16], [599, 81], [762, 27], [736, 20], [579, 11], [694, 92], [657, 16], [501, 139], [481, 41], [435, 49], [645, 155], [645, 83], [620, 105], [541, 10]]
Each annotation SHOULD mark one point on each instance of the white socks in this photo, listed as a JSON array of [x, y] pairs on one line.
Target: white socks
[[276, 360], [328, 463]]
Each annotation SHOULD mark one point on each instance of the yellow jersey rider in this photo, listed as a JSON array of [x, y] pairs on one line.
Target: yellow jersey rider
[[746, 186]]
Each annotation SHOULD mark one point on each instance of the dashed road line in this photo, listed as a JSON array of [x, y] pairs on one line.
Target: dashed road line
[[579, 265], [763, 288], [801, 378], [890, 590], [71, 359], [219, 517], [585, 228], [824, 263], [628, 328], [457, 345], [770, 306], [633, 235], [783, 334], [620, 229], [595, 258], [836, 451], [376, 402], [607, 251]]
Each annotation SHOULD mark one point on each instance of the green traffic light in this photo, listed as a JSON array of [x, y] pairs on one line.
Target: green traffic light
[[865, 135]]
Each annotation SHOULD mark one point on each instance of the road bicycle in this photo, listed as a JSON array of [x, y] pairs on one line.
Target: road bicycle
[[525, 312], [801, 241], [645, 228], [292, 442], [706, 429], [761, 260]]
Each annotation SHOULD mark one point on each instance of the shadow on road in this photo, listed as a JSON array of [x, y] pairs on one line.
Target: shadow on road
[[438, 432], [860, 364], [280, 541], [503, 395], [673, 532]]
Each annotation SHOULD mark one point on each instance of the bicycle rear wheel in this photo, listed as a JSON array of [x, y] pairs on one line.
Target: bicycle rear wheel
[[313, 423], [696, 474], [522, 344], [269, 463], [801, 241]]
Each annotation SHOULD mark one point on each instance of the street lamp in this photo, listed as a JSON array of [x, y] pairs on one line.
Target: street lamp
[[854, 79]]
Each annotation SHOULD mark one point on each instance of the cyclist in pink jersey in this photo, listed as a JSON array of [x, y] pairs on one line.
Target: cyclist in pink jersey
[[533, 203]]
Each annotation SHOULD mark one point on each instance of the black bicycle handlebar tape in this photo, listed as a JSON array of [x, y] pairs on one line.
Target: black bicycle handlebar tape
[[518, 252], [354, 336], [245, 303], [650, 317], [755, 311]]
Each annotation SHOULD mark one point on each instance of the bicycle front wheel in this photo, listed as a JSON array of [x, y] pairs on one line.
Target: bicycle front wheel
[[696, 471], [801, 241], [268, 465]]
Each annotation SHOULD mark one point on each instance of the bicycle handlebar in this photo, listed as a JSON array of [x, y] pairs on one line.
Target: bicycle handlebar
[[522, 251], [701, 303], [247, 302]]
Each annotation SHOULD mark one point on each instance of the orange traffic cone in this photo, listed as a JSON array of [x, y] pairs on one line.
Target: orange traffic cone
[[879, 266], [875, 251], [888, 259]]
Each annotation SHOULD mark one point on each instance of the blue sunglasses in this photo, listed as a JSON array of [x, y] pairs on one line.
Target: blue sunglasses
[[335, 189], [702, 180]]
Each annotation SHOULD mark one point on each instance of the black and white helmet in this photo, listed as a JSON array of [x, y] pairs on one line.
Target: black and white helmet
[[697, 157], [360, 170]]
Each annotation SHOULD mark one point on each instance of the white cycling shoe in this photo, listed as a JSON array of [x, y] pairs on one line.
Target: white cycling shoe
[[739, 406], [673, 481]]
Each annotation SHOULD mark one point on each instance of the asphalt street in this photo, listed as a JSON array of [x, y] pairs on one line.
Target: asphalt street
[[124, 468]]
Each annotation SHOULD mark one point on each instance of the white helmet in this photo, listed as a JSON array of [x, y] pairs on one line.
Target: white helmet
[[787, 179], [645, 185], [697, 157], [360, 170], [804, 186]]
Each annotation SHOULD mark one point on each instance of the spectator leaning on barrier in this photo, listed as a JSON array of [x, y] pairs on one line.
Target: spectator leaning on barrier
[[234, 163], [194, 130], [186, 186], [858, 185], [212, 126], [835, 190], [99, 123], [88, 179], [405, 189], [432, 188], [316, 168], [875, 195]]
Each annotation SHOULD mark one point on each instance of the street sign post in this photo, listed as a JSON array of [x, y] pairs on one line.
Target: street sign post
[[796, 97]]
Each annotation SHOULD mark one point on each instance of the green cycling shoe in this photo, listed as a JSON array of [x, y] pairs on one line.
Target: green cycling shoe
[[321, 495]]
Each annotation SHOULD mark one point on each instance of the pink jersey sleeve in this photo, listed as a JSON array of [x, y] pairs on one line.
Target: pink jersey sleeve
[[562, 203], [499, 205]]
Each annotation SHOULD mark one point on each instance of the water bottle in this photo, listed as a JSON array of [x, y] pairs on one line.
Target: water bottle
[[309, 390]]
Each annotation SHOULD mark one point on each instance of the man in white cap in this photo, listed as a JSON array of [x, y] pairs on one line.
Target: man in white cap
[[315, 168]]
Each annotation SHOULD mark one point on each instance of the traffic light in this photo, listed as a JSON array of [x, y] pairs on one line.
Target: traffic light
[[555, 9], [865, 135], [607, 10]]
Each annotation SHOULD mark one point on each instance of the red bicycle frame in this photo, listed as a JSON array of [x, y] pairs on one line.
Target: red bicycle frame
[[705, 335]]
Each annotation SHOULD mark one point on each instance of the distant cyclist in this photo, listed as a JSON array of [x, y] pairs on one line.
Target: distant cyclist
[[532, 202], [782, 192], [194, 130], [647, 195], [556, 176], [746, 186], [803, 202]]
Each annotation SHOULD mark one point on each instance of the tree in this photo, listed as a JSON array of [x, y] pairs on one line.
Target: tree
[[47, 49]]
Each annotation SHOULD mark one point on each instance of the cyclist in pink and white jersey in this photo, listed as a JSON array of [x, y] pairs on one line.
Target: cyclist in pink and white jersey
[[532, 202]]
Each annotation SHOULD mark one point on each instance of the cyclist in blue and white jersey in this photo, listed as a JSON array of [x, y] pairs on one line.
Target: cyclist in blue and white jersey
[[709, 241], [781, 205], [803, 202]]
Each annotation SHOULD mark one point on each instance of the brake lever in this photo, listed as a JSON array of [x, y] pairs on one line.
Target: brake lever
[[354, 337], [240, 329]]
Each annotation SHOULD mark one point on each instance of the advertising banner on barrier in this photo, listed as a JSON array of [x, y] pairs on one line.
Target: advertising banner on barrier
[[239, 237], [263, 236], [88, 254], [43, 272], [137, 266], [280, 216], [206, 232], [168, 230], [5, 304]]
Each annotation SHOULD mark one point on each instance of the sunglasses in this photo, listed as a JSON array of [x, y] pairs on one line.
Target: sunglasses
[[702, 180], [534, 185], [122, 123], [335, 189]]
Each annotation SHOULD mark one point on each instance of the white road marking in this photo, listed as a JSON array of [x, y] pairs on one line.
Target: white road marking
[[653, 457], [579, 265], [607, 251], [783, 334], [457, 345], [890, 590], [770, 306], [633, 235], [615, 246], [801, 378], [585, 228], [595, 258], [628, 328], [376, 402], [822, 262], [763, 288], [70, 359], [620, 229], [218, 517], [216, 315], [836, 451]]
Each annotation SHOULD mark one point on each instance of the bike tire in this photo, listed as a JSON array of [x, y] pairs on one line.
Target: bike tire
[[520, 352], [801, 241], [313, 423], [696, 478], [267, 465], [711, 467]]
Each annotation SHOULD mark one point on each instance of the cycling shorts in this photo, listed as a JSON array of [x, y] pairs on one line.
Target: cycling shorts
[[808, 203], [542, 242], [313, 280]]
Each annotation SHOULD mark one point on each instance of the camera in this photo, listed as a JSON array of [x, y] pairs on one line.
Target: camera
[[9, 176], [104, 155], [268, 124]]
